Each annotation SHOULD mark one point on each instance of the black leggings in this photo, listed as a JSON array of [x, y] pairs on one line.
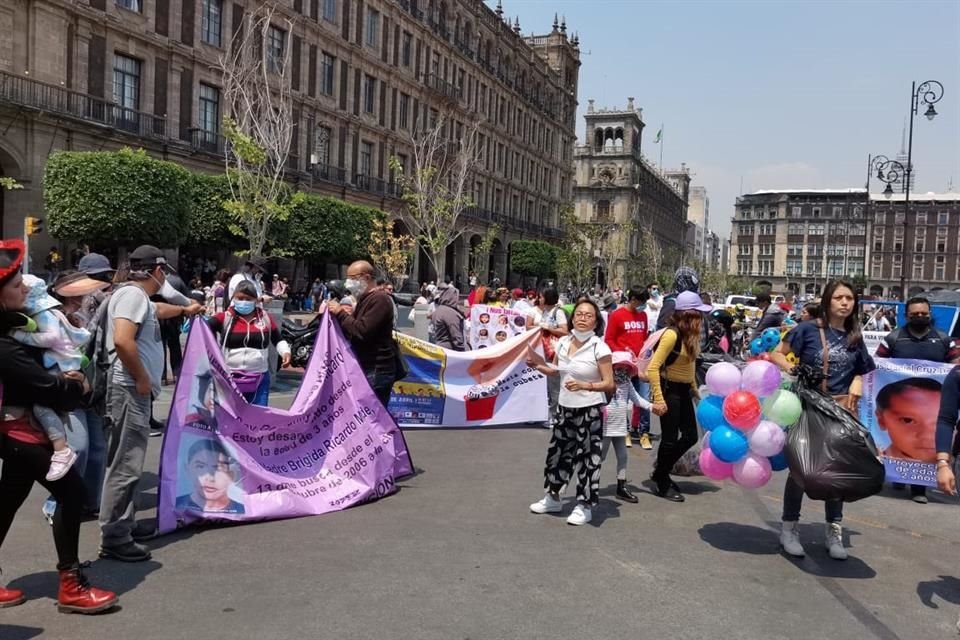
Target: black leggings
[[678, 429], [24, 464]]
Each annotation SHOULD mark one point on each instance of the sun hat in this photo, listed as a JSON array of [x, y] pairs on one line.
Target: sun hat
[[38, 298], [76, 285], [690, 301], [625, 359]]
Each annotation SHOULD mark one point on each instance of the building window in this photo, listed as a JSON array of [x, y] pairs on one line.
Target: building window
[[603, 209], [406, 49], [794, 267], [126, 85], [373, 28], [898, 217], [209, 113], [917, 272], [880, 217], [211, 18], [795, 229], [816, 212], [813, 267], [897, 267], [857, 213], [940, 268], [876, 269], [943, 217], [794, 250], [369, 93], [330, 10], [327, 64], [366, 158], [921, 218], [132, 5], [321, 146], [745, 229], [744, 249], [920, 244], [404, 163], [838, 212], [858, 229], [276, 42], [404, 111], [796, 212], [815, 229]]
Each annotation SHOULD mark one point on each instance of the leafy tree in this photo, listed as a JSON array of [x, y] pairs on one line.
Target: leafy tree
[[533, 258], [480, 252], [391, 253], [324, 228], [209, 220], [575, 260], [117, 198], [8, 183]]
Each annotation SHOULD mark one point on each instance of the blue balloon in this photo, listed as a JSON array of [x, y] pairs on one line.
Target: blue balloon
[[728, 444], [770, 338], [756, 346], [778, 462], [710, 413]]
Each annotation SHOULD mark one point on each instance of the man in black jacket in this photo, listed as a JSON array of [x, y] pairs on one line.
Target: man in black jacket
[[369, 328]]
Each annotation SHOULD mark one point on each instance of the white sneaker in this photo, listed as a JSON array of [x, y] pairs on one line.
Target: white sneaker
[[790, 539], [580, 515], [834, 541], [548, 504], [60, 463]]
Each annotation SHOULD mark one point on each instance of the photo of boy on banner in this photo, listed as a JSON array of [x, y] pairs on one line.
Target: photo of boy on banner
[[212, 475]]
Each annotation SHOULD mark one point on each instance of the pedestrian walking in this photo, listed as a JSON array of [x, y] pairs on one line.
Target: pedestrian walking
[[835, 338], [585, 363]]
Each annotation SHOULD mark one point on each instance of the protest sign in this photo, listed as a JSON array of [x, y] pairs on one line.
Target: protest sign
[[490, 325], [469, 389], [901, 399], [872, 340], [224, 459]]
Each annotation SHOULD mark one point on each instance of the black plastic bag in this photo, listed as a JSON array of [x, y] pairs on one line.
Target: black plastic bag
[[832, 456]]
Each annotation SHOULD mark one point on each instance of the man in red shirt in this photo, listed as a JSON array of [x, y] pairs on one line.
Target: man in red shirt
[[627, 331]]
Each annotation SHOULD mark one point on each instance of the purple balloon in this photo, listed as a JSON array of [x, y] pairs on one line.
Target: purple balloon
[[761, 378], [723, 379], [766, 439], [713, 467], [752, 472]]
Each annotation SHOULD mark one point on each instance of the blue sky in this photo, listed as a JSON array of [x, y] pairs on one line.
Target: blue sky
[[778, 94]]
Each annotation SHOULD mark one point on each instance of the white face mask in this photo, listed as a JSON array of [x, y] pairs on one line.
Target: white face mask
[[583, 336], [355, 286]]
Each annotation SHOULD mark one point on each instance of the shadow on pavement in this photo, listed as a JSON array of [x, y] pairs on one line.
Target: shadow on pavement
[[744, 538], [120, 577], [17, 632], [947, 587]]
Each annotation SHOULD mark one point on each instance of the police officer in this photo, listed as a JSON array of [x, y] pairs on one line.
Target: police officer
[[919, 340]]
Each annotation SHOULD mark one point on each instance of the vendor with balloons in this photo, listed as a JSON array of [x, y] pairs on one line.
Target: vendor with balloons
[[836, 336]]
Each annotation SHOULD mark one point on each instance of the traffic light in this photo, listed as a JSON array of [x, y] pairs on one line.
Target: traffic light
[[33, 226]]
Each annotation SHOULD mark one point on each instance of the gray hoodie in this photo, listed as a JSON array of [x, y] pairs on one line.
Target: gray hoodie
[[448, 319]]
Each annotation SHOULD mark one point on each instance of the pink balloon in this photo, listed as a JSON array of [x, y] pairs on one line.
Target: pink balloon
[[713, 467], [760, 378], [752, 472], [723, 379], [766, 439]]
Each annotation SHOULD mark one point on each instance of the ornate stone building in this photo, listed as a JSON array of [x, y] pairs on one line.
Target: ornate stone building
[[616, 185], [103, 74]]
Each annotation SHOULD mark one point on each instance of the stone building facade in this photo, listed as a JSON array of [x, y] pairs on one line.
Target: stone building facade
[[616, 185], [104, 74]]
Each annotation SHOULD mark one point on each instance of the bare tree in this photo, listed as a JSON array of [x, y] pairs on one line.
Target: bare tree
[[444, 156], [480, 253], [651, 253], [613, 244], [258, 124]]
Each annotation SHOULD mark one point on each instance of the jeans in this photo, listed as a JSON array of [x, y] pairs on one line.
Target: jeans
[[79, 441], [96, 457], [24, 464], [678, 428], [793, 498], [643, 390], [128, 432], [553, 395], [381, 383], [260, 397]]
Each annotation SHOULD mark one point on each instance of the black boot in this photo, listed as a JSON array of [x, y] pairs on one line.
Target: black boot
[[623, 494]]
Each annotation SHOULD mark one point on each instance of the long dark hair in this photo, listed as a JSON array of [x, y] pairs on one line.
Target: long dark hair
[[688, 325], [596, 310], [851, 325]]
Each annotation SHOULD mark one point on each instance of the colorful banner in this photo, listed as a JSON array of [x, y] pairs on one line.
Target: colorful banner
[[491, 326], [469, 389], [872, 340], [224, 459], [901, 399]]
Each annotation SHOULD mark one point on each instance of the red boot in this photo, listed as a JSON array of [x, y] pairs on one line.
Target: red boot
[[77, 596], [10, 597]]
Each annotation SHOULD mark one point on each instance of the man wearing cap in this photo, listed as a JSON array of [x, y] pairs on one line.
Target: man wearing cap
[[133, 335], [249, 271]]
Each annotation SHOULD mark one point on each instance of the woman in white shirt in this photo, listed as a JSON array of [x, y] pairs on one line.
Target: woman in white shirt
[[585, 363]]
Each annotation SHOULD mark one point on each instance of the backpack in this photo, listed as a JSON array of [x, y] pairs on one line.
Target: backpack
[[649, 348], [99, 361]]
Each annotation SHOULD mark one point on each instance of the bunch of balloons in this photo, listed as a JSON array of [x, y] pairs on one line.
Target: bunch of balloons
[[746, 415], [765, 342]]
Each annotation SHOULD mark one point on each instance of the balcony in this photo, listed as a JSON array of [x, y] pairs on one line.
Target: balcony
[[31, 94], [207, 141], [463, 47], [441, 87], [378, 186], [329, 173]]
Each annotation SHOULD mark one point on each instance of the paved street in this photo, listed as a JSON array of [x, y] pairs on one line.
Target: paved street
[[456, 555]]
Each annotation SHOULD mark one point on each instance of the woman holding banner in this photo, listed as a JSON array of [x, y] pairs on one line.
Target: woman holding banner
[[246, 335], [25, 448], [835, 337], [586, 366]]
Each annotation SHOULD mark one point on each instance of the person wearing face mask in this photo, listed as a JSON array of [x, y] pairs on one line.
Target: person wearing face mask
[[626, 332], [369, 328], [133, 336], [246, 333], [919, 340]]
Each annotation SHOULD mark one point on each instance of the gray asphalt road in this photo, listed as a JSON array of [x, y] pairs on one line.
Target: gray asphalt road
[[456, 555]]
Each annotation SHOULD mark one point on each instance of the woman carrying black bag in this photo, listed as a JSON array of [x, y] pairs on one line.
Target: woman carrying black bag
[[837, 334]]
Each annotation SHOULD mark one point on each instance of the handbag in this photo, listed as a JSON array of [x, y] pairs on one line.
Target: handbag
[[246, 381]]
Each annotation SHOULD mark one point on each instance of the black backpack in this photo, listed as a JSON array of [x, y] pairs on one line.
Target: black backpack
[[99, 362]]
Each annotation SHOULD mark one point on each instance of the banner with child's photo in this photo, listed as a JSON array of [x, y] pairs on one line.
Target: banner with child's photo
[[490, 326], [901, 399], [225, 459], [492, 386]]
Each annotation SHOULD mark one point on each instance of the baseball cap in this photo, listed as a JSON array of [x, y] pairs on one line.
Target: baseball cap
[[690, 301], [94, 263], [517, 293], [149, 256], [256, 263]]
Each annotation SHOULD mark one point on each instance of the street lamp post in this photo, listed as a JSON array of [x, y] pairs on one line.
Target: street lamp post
[[890, 171], [929, 93]]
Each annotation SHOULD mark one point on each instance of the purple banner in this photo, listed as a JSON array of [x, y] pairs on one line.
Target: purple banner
[[224, 459]]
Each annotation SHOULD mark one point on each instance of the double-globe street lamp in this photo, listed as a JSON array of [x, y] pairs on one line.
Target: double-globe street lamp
[[890, 172]]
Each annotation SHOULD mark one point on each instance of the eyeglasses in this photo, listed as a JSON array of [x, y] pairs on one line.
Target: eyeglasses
[[584, 314]]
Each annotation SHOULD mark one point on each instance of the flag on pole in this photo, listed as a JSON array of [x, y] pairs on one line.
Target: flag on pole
[[659, 135]]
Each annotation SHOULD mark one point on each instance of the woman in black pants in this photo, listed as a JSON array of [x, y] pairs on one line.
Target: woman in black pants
[[26, 451]]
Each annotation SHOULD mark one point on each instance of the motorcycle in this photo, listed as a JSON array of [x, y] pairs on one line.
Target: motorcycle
[[301, 339]]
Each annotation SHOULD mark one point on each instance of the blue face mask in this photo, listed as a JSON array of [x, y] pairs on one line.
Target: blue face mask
[[243, 307]]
